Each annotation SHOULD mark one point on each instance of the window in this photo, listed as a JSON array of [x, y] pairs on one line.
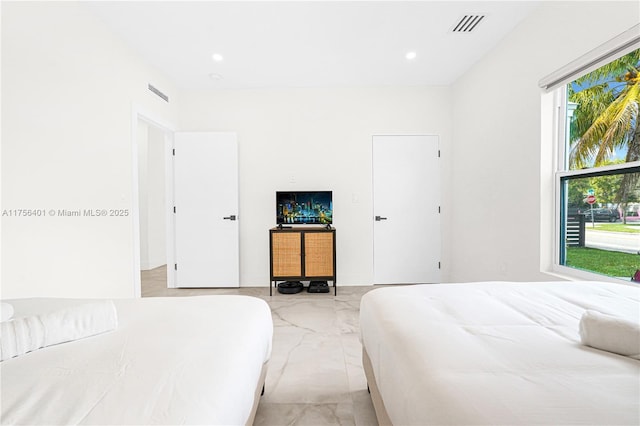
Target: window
[[598, 177]]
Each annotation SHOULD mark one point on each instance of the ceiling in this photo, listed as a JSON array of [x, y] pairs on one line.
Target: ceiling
[[267, 44]]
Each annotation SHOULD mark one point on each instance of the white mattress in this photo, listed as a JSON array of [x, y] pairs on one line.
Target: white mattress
[[499, 353], [191, 360]]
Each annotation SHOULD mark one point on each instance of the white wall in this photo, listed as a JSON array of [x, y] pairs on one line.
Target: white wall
[[151, 196], [143, 196], [306, 139], [67, 91], [501, 200], [156, 216]]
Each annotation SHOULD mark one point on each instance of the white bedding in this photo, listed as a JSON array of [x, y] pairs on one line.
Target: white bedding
[[499, 353], [187, 360]]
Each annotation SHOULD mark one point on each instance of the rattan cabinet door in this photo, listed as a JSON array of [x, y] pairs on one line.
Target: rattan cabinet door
[[286, 254], [318, 254]]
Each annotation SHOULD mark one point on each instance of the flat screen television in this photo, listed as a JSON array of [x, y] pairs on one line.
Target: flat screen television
[[304, 207]]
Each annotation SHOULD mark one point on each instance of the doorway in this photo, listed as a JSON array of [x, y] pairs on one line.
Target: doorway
[[152, 198], [152, 204], [406, 208]]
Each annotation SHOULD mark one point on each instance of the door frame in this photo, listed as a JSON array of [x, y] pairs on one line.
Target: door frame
[[139, 113]]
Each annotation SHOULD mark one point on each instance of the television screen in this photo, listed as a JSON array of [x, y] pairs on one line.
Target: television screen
[[304, 207]]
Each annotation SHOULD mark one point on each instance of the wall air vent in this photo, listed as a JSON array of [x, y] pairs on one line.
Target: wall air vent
[[159, 93], [467, 23]]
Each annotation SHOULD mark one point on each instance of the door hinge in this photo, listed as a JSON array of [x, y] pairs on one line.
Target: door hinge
[[438, 153], [175, 266], [174, 209], [439, 266], [438, 209], [174, 152]]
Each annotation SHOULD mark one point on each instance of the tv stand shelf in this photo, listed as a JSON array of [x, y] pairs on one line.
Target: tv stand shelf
[[302, 253]]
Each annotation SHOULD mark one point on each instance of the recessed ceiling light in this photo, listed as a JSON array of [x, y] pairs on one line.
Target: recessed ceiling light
[[217, 57], [215, 76], [411, 55]]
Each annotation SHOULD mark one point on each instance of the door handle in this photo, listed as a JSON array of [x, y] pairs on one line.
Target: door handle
[[232, 217], [379, 218]]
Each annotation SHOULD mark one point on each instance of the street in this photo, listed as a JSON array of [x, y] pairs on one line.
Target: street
[[618, 241]]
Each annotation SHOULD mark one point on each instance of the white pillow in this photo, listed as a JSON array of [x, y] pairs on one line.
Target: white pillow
[[6, 311], [609, 333]]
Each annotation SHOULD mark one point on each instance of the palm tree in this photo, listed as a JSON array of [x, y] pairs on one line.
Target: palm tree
[[608, 119]]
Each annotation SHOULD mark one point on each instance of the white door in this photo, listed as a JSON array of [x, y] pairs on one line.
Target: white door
[[406, 209], [206, 201]]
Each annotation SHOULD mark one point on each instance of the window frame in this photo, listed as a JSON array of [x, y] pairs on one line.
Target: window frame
[[561, 174], [556, 85]]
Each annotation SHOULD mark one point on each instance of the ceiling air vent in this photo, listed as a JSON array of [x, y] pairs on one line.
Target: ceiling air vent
[[467, 23], [159, 93]]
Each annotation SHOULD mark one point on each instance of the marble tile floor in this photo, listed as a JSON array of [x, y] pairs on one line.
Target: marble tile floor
[[315, 374]]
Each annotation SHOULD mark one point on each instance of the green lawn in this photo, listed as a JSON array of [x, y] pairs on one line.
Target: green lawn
[[615, 227], [611, 263]]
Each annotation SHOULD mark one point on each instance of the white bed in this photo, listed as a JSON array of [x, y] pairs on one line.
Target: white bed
[[183, 360], [497, 353]]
